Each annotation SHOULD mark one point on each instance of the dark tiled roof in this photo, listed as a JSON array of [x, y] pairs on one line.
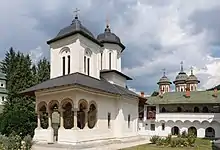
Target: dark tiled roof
[[74, 28], [201, 97], [109, 37], [115, 71], [82, 80]]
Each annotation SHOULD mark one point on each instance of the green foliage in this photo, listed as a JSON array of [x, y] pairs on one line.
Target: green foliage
[[19, 111], [15, 142], [162, 142], [183, 140], [184, 134], [154, 139], [155, 93]]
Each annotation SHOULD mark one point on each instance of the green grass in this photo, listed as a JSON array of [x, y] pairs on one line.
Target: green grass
[[200, 144]]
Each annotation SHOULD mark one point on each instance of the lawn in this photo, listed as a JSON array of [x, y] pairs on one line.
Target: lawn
[[201, 144]]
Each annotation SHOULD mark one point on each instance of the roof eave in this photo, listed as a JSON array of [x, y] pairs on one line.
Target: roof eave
[[111, 42], [72, 33]]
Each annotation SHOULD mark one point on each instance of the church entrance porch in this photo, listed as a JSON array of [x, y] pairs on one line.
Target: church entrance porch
[[64, 123]]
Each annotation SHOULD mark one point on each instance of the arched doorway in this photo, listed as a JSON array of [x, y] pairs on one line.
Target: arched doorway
[[92, 116], [42, 112], [82, 114], [68, 115], [205, 109], [209, 132], [192, 130], [54, 115], [175, 130], [196, 109]]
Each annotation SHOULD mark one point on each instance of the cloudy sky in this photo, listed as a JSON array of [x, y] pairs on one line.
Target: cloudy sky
[[158, 34]]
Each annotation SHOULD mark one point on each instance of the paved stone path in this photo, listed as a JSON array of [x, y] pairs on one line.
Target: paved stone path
[[110, 146]]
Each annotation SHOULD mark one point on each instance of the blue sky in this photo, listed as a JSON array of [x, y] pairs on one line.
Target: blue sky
[[157, 34]]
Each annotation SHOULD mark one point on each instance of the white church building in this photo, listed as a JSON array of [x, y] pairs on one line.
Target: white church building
[[185, 109], [86, 97]]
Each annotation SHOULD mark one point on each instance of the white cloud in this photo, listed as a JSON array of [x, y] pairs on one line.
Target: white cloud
[[171, 29], [36, 54]]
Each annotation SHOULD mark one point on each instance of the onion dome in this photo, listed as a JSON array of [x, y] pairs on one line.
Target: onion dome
[[192, 78], [164, 80], [109, 37], [181, 77], [74, 28]]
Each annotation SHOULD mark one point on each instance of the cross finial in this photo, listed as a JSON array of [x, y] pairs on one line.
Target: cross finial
[[164, 71], [76, 12], [181, 67], [191, 68], [107, 29]]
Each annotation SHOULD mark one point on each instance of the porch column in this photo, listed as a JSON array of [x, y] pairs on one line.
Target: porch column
[[75, 110], [50, 120], [86, 118], [38, 120], [61, 119]]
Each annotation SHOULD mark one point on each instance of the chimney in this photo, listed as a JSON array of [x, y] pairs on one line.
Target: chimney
[[187, 92], [215, 92], [142, 94]]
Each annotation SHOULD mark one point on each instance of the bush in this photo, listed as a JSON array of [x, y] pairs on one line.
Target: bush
[[184, 134], [162, 142], [14, 142], [168, 139], [173, 142], [191, 139], [154, 139]]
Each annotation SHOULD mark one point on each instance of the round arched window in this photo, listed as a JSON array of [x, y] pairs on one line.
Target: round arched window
[[92, 116]]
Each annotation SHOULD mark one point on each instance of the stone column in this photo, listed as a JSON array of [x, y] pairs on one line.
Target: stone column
[[50, 120], [61, 119], [38, 120], [86, 118], [75, 118]]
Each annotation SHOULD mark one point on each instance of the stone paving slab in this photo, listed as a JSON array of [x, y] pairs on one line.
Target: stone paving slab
[[96, 146]]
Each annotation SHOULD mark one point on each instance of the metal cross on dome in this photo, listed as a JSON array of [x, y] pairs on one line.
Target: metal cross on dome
[[76, 12], [191, 68], [164, 71], [181, 63]]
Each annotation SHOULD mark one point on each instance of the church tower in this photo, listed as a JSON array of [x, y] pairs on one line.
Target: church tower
[[192, 81], [180, 81], [164, 83], [111, 54], [75, 49]]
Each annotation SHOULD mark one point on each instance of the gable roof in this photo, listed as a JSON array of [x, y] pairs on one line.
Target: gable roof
[[82, 80], [196, 97], [115, 71]]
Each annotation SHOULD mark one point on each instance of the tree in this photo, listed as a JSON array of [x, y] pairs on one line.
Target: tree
[[19, 111], [155, 93]]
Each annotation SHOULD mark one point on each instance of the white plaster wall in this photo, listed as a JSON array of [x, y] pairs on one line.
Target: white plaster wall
[[115, 79], [77, 45], [116, 61], [118, 107]]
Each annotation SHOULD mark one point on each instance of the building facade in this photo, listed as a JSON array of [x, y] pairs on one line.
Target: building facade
[[186, 109], [3, 91], [86, 98]]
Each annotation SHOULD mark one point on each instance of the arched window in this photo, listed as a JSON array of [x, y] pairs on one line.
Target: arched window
[[205, 109], [129, 121], [181, 89], [88, 66], [179, 109], [175, 130], [192, 130], [84, 64], [110, 61], [210, 132], [68, 57], [92, 116], [191, 88], [101, 60], [196, 109], [163, 109], [64, 66]]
